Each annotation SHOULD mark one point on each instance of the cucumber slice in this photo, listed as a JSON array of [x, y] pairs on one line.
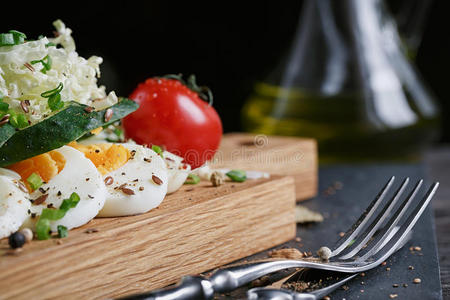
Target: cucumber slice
[[6, 131], [68, 125]]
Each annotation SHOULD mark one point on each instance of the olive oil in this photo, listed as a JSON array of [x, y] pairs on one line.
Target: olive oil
[[342, 124]]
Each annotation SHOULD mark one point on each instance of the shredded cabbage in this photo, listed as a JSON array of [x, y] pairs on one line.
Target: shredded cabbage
[[78, 75]]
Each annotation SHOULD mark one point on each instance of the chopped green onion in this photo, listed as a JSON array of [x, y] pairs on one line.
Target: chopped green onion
[[50, 44], [56, 90], [237, 175], [54, 96], [70, 203], [52, 214], [157, 149], [18, 33], [13, 37], [17, 120], [47, 215], [35, 181], [46, 63], [54, 102], [62, 231], [43, 229], [192, 179]]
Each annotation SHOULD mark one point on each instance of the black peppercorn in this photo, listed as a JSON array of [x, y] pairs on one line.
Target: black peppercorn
[[16, 240]]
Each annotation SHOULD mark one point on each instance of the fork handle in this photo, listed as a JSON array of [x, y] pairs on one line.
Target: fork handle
[[228, 279], [189, 288]]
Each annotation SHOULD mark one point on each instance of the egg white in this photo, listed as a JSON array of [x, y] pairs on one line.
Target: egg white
[[177, 174], [136, 175], [79, 175], [14, 203]]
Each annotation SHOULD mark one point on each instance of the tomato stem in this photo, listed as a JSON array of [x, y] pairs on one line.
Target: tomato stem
[[203, 92]]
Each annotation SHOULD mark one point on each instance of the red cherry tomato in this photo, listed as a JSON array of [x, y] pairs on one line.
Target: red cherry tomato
[[173, 116]]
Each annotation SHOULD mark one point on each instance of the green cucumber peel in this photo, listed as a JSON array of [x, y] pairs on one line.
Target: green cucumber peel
[[68, 125]]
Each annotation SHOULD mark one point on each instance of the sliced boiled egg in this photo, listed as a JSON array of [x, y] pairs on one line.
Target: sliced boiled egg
[[14, 202], [136, 177], [178, 171], [64, 171]]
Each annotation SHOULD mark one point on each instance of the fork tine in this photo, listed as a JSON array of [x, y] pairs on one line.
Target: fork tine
[[359, 225], [406, 227], [362, 239], [383, 235]]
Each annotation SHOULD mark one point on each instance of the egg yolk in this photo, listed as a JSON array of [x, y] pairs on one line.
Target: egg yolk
[[46, 165], [106, 157]]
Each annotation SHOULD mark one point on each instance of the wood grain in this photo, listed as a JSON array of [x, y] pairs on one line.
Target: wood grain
[[195, 229], [296, 157]]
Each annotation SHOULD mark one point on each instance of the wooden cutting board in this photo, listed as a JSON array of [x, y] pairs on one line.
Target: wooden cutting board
[[296, 157], [196, 229]]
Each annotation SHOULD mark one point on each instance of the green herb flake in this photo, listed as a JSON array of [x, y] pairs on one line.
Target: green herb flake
[[43, 229], [62, 231], [70, 203], [157, 149], [35, 181], [192, 179], [54, 97], [47, 215], [46, 64], [54, 102], [17, 120], [56, 90], [237, 175]]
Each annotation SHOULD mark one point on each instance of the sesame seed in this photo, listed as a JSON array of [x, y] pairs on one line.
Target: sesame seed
[[157, 180], [109, 180], [108, 114], [417, 280], [127, 191], [24, 106], [40, 199]]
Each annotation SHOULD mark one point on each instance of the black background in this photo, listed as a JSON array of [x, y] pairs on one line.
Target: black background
[[228, 45]]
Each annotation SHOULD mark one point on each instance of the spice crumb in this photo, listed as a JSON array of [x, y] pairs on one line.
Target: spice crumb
[[217, 178], [388, 269], [341, 234], [90, 230], [383, 263], [417, 248]]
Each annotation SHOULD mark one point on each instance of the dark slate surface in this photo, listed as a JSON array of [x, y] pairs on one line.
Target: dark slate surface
[[360, 184]]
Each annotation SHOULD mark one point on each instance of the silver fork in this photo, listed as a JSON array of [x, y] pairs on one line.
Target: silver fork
[[363, 247], [264, 293]]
